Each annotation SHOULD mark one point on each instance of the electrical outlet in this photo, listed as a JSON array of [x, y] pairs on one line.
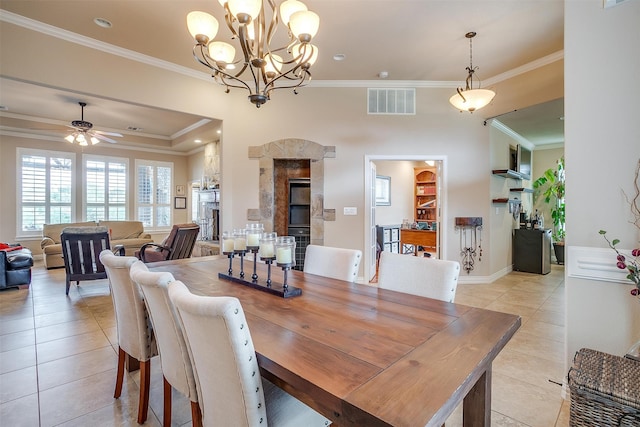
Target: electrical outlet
[[497, 211], [350, 211]]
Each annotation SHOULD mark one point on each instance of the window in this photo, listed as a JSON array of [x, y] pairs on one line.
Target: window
[[46, 189], [153, 193], [105, 182]]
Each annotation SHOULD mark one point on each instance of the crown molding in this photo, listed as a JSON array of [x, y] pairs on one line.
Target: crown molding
[[71, 37], [20, 133], [495, 123]]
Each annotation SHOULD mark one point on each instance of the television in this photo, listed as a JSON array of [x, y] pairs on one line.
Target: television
[[520, 160], [524, 162]]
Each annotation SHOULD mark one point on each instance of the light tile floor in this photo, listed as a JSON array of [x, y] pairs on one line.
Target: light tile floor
[[58, 355]]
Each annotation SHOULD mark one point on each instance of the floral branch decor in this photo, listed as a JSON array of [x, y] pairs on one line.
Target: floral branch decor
[[632, 265], [624, 263]]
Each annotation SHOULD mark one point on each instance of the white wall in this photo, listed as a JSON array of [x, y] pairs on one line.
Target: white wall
[[602, 147]]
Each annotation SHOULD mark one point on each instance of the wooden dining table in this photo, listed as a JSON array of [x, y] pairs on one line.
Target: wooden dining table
[[360, 355]]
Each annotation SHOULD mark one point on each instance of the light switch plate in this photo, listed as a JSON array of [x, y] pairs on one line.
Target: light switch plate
[[350, 211]]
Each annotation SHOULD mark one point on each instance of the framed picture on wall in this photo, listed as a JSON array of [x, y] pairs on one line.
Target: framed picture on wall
[[180, 203], [179, 190], [383, 190]]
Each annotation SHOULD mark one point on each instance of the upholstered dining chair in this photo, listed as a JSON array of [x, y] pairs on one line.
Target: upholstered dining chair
[[336, 263], [231, 389], [135, 334], [178, 244], [81, 247], [174, 355], [427, 277]]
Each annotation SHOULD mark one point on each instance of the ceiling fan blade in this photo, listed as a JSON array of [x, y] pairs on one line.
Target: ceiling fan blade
[[103, 138], [101, 132]]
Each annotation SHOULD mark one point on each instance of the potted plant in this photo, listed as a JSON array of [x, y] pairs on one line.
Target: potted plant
[[551, 187]]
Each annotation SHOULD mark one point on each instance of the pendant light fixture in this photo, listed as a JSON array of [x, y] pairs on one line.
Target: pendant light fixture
[[470, 99]]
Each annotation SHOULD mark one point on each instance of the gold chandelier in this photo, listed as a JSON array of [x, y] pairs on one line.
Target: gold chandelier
[[471, 99], [262, 68]]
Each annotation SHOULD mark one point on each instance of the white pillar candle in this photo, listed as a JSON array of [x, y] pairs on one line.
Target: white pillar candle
[[283, 256], [227, 245], [240, 244], [253, 239], [266, 250]]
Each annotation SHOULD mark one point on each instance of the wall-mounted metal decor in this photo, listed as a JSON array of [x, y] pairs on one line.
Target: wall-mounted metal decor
[[470, 229]]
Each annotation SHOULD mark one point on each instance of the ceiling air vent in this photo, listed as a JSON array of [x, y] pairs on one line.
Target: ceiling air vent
[[391, 101], [611, 3]]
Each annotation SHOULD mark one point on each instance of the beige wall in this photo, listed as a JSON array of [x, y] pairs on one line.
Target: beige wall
[[602, 148]]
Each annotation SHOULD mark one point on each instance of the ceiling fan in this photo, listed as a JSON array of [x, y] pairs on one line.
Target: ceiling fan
[[83, 132]]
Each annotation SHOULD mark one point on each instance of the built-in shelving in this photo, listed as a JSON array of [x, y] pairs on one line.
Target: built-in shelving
[[426, 195], [510, 174]]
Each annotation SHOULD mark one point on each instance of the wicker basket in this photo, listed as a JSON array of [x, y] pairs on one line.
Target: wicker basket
[[605, 390]]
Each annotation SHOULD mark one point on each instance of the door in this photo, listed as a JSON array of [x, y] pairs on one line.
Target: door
[[373, 252]]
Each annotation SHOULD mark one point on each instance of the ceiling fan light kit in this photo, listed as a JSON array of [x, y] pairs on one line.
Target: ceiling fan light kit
[[83, 133], [262, 67], [470, 99]]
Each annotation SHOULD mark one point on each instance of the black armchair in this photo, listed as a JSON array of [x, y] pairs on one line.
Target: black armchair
[[15, 268], [81, 247], [179, 244]]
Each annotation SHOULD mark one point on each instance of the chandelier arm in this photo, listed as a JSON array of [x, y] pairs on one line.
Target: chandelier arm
[[246, 50], [203, 58], [273, 25], [261, 36], [248, 59], [301, 80], [242, 85], [469, 81], [229, 19], [461, 95]]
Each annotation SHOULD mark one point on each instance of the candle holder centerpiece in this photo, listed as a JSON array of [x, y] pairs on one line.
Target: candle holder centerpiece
[[270, 248]]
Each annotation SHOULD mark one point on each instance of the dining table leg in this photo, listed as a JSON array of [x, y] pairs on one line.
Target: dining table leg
[[476, 410]]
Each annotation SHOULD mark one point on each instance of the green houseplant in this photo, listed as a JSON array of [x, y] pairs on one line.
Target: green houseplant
[[550, 186]]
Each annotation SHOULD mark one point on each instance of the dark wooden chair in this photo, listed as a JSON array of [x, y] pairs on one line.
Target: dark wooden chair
[[81, 247], [179, 244]]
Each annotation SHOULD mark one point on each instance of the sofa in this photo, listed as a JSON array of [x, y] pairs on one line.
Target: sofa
[[15, 267], [129, 234]]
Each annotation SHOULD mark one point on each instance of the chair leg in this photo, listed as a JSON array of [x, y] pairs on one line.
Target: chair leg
[[166, 417], [196, 415], [120, 374], [68, 285], [145, 380]]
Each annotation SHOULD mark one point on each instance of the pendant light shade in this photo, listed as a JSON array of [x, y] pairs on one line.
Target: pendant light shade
[[288, 8], [472, 99], [242, 8], [202, 26], [304, 25]]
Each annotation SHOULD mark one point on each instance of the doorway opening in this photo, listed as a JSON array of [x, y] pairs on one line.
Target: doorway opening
[[416, 204]]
